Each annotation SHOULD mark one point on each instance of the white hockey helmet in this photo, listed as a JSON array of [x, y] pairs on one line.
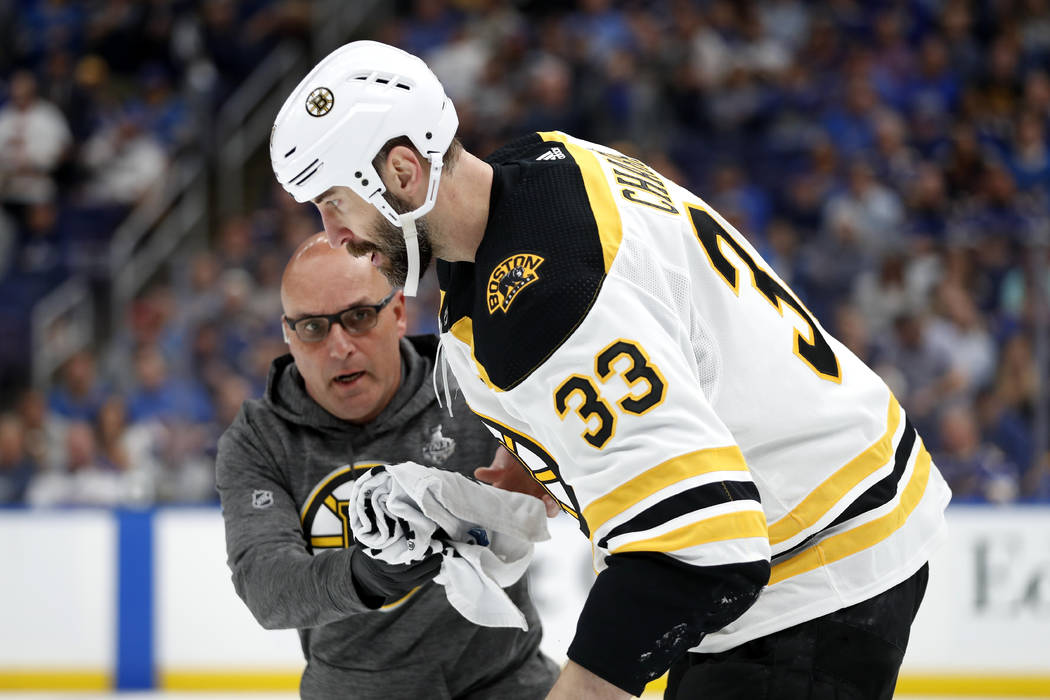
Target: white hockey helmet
[[344, 111]]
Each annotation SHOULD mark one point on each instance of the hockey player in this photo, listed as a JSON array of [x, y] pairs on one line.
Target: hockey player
[[760, 508], [352, 394]]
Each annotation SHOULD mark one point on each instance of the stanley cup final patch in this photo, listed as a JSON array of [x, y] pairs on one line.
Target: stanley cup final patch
[[438, 448], [509, 278]]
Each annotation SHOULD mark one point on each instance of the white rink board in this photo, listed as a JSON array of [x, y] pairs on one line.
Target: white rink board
[[57, 589], [201, 624], [977, 616], [987, 609], [559, 578]]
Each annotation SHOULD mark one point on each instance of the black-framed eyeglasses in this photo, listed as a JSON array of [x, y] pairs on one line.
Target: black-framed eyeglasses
[[354, 320]]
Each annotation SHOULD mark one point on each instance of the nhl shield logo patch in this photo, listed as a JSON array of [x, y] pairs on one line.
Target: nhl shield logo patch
[[262, 498], [509, 278]]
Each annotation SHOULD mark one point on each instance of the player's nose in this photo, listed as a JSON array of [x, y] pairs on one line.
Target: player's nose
[[338, 235]]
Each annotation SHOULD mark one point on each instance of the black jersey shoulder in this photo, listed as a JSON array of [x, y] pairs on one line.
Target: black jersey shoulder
[[526, 147], [539, 267]]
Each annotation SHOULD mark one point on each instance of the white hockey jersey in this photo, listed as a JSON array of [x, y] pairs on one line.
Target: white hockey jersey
[[674, 395]]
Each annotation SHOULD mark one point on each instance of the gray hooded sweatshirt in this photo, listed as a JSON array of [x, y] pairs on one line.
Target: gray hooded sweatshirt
[[284, 472]]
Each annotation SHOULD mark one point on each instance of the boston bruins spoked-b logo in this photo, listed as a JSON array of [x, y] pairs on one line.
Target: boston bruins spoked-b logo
[[509, 278], [325, 516], [320, 102]]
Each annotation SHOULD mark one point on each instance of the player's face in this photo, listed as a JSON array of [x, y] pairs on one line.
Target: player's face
[[345, 215], [388, 251], [353, 377], [354, 223]]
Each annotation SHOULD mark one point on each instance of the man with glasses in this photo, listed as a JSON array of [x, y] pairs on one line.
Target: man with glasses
[[354, 393]]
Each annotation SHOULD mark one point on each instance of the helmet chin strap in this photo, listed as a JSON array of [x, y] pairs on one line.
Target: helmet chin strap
[[407, 222], [408, 230]]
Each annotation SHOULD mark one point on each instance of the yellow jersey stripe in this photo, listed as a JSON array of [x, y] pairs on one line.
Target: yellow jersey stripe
[[728, 526], [823, 498], [326, 541], [863, 536], [463, 331], [603, 206], [672, 471]]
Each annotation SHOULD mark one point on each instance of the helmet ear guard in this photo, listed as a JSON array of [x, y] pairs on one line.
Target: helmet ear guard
[[344, 111]]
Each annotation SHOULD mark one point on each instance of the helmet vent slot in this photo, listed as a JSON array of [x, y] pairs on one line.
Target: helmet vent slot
[[291, 151], [304, 175], [308, 175], [389, 79]]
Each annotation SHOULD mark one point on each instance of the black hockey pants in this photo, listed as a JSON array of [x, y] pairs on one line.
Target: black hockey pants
[[851, 654]]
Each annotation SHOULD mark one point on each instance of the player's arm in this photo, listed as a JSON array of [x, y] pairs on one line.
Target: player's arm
[[282, 583]]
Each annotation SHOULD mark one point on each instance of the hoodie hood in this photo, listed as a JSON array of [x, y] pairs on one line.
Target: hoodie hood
[[286, 393]]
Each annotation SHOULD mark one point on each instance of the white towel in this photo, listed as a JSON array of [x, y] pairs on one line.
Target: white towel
[[403, 512]]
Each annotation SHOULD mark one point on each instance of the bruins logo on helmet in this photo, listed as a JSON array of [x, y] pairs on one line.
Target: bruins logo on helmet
[[509, 278], [320, 102]]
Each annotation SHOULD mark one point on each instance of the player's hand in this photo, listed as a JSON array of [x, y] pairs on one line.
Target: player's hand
[[507, 473], [378, 582]]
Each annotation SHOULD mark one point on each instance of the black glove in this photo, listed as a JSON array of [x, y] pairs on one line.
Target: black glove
[[378, 582]]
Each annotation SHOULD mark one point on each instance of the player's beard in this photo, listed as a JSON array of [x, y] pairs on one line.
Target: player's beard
[[390, 243]]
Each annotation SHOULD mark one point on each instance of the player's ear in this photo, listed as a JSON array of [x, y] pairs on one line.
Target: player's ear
[[405, 170], [400, 313]]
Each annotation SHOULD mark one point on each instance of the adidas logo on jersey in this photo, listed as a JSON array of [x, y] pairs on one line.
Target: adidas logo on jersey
[[553, 153]]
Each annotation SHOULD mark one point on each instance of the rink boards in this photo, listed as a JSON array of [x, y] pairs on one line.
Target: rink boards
[[95, 600]]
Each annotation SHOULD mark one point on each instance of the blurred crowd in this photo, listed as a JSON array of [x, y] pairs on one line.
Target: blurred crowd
[[891, 161], [97, 99]]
